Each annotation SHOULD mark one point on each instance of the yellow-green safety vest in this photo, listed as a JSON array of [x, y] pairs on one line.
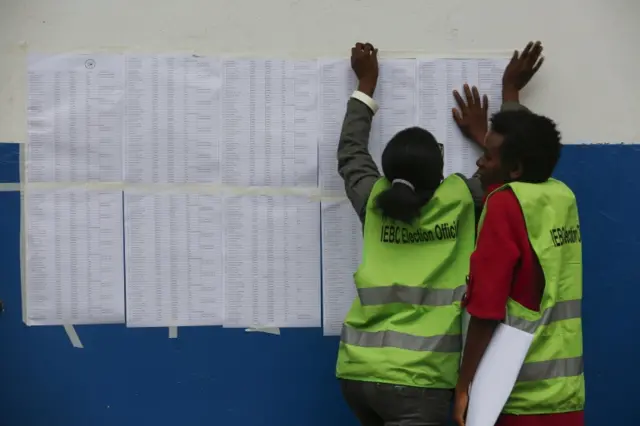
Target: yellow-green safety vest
[[551, 379], [404, 326]]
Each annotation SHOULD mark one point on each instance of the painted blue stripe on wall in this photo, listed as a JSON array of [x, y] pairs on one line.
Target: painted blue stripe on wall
[[214, 376], [9, 163]]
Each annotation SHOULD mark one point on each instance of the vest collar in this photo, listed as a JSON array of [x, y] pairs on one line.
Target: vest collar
[[489, 190]]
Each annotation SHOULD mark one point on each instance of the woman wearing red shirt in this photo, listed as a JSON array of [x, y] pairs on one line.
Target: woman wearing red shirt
[[504, 264]]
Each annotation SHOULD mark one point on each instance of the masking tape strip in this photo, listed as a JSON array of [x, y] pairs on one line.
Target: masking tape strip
[[73, 336], [268, 330], [11, 187], [312, 193], [173, 332], [213, 188]]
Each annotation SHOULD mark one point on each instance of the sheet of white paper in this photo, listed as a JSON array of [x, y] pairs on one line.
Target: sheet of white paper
[[410, 92], [341, 253], [269, 123], [433, 96], [74, 118], [437, 79], [173, 259], [490, 81], [272, 261], [74, 267], [337, 83], [497, 374], [396, 93], [172, 119]]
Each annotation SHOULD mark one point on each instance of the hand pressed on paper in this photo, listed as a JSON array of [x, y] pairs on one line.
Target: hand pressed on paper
[[471, 116], [364, 62]]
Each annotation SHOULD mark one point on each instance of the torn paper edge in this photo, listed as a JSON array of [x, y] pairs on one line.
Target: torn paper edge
[[73, 336]]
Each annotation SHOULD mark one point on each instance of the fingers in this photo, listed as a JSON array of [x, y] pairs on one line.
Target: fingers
[[457, 116], [459, 101], [476, 95], [537, 66], [356, 51], [537, 50], [473, 98], [527, 49], [530, 54], [468, 94], [531, 59], [364, 48]]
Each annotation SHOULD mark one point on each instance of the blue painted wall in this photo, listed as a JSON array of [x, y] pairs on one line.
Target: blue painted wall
[[211, 376]]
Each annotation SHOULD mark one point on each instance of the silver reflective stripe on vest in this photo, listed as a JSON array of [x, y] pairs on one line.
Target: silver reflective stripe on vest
[[544, 370], [568, 309], [394, 339], [410, 295]]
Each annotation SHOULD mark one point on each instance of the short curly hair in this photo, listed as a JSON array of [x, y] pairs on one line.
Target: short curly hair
[[531, 140]]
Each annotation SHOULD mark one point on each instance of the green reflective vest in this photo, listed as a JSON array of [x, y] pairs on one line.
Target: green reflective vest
[[404, 326], [551, 379]]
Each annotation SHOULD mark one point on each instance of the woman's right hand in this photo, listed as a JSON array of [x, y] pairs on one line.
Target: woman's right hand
[[364, 62]]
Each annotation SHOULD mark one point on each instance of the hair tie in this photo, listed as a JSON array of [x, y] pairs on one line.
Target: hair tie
[[403, 182]]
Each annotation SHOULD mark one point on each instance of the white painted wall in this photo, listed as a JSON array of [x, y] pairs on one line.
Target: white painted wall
[[590, 83]]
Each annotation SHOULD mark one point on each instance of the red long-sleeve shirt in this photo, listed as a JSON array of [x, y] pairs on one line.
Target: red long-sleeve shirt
[[504, 265]]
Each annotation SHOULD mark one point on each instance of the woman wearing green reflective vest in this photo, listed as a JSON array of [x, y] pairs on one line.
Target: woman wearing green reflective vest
[[400, 346]]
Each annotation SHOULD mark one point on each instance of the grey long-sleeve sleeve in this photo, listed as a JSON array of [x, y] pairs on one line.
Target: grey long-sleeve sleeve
[[355, 164]]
